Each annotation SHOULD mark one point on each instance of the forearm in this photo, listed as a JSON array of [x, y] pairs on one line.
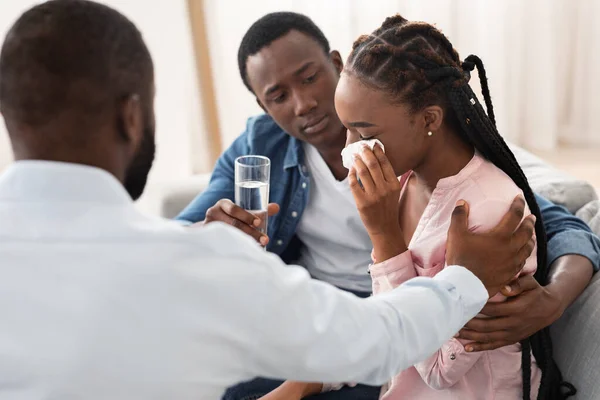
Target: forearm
[[196, 210], [330, 329], [221, 185], [568, 234], [573, 254], [294, 390], [569, 276]]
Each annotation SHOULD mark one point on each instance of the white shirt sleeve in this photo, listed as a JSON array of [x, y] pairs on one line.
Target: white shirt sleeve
[[311, 331]]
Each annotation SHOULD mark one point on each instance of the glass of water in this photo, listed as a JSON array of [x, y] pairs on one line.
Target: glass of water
[[252, 174]]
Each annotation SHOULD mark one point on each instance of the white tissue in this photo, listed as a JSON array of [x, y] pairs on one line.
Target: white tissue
[[355, 148]]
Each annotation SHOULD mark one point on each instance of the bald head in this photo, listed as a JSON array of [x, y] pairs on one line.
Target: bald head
[[76, 85]]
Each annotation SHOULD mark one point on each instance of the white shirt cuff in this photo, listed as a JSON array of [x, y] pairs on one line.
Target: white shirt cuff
[[469, 287]]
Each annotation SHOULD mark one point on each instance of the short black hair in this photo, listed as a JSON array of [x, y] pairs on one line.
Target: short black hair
[[270, 28], [65, 55]]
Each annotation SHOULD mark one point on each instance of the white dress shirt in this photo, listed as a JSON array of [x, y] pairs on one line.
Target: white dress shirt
[[98, 301]]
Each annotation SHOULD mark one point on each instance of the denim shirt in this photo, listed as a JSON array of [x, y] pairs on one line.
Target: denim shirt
[[290, 187]]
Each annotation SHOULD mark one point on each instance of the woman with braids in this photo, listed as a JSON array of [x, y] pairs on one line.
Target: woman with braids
[[406, 86]]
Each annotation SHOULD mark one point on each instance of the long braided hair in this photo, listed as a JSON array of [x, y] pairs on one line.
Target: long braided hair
[[415, 64]]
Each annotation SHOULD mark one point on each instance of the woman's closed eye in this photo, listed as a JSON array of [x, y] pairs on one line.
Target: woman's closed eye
[[367, 137]]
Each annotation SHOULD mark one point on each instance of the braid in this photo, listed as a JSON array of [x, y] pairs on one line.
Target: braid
[[485, 89], [416, 64], [392, 21], [474, 122], [361, 39], [526, 368]]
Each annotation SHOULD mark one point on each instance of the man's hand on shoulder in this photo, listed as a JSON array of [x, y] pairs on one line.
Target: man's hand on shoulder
[[497, 256]]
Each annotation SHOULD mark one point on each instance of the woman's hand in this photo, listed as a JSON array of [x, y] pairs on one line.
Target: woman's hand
[[376, 196]]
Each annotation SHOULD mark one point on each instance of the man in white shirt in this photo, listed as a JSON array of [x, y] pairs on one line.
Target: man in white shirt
[[98, 301]]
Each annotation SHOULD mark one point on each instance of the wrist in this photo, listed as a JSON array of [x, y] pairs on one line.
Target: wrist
[[312, 389], [299, 389], [554, 304], [387, 245], [568, 277]]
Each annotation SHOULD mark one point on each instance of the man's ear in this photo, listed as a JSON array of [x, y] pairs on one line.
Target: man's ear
[[336, 59], [130, 119]]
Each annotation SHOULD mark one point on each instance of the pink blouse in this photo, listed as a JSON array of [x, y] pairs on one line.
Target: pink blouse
[[453, 373]]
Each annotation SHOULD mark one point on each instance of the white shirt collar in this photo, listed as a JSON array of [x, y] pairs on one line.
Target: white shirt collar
[[60, 182]]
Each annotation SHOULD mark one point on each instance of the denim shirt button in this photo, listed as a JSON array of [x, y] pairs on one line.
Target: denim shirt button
[[294, 214], [303, 185], [279, 242]]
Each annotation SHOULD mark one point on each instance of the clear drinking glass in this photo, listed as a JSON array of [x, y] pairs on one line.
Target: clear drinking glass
[[252, 175]]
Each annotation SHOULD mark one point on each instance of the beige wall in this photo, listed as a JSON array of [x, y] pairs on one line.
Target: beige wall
[[540, 56], [540, 67], [9, 11]]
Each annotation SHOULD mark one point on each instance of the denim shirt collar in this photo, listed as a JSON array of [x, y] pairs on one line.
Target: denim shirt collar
[[294, 154]]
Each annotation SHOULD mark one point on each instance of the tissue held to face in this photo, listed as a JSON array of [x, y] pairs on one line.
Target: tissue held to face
[[354, 148]]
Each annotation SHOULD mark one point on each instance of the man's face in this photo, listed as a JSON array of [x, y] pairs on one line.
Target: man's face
[[294, 81]]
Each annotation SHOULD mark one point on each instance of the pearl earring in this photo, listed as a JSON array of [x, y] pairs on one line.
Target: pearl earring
[[429, 133]]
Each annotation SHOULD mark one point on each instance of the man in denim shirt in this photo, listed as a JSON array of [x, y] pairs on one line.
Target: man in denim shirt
[[285, 61]]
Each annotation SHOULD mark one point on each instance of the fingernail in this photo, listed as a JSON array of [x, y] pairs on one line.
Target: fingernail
[[256, 223], [508, 289], [469, 349], [264, 240], [534, 219], [356, 156], [460, 203]]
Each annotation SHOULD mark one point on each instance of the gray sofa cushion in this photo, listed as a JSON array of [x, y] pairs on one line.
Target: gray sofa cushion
[[590, 213], [554, 184], [576, 338], [169, 199]]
